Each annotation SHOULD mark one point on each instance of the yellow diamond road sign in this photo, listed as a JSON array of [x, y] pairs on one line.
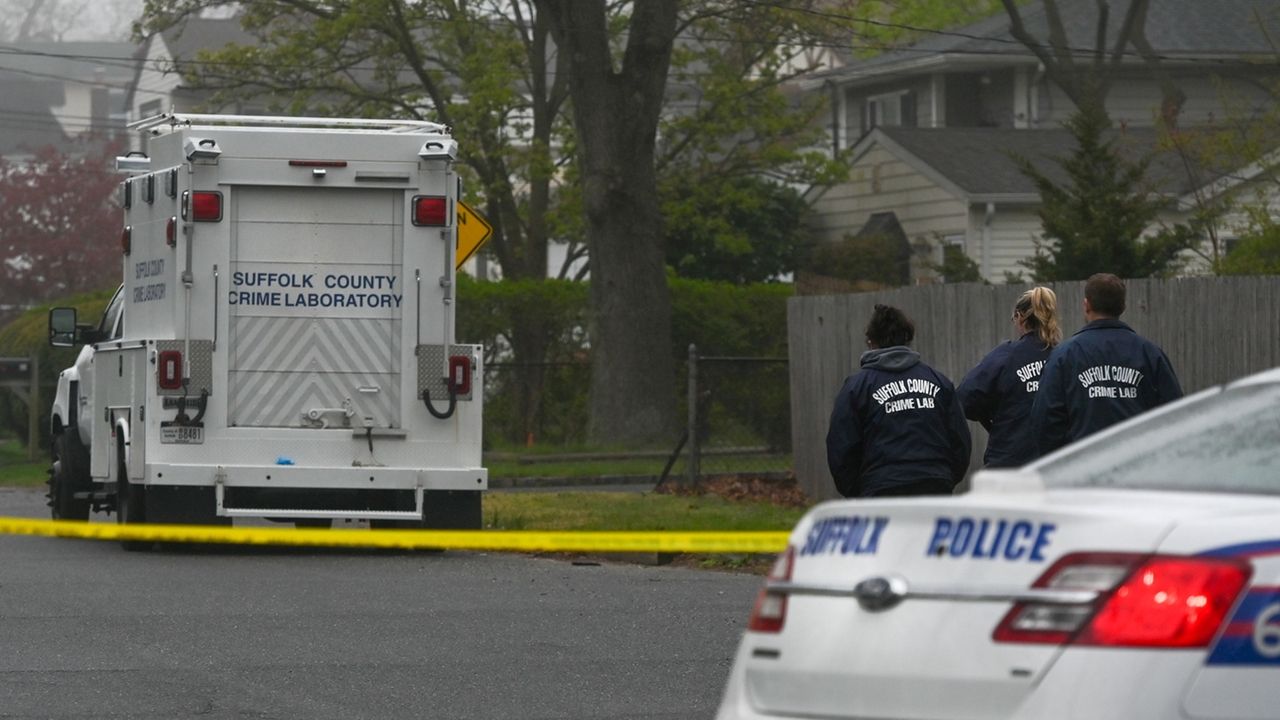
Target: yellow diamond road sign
[[473, 231]]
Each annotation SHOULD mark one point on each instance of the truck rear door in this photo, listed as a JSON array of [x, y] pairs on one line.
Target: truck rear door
[[316, 306]]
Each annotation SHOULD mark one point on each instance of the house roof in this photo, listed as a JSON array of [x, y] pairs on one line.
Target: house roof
[[980, 164], [187, 39], [1203, 31], [110, 63], [34, 78]]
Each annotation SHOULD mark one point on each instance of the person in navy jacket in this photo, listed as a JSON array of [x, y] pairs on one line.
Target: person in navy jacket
[[1103, 374], [998, 393], [896, 428]]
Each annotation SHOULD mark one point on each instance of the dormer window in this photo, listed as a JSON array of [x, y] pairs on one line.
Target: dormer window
[[895, 109]]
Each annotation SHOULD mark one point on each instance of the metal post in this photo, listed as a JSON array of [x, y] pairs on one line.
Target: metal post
[[33, 408], [693, 469]]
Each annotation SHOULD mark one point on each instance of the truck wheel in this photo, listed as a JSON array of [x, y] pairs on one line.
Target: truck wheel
[[131, 506], [68, 475]]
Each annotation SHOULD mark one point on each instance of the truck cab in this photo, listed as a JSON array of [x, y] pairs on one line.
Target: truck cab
[[282, 344]]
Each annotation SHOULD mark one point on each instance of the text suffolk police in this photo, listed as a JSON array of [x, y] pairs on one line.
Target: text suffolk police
[[343, 290]]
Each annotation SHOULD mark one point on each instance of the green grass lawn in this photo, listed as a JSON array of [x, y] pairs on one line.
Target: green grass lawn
[[630, 511], [15, 470]]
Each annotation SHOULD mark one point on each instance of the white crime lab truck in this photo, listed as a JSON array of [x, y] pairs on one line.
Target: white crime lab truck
[[282, 345]]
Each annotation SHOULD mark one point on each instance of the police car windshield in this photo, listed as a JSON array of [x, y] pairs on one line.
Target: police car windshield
[[1227, 441]]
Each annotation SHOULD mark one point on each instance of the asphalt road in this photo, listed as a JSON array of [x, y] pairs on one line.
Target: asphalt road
[[90, 631]]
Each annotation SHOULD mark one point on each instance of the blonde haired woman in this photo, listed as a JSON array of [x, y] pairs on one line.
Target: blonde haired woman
[[998, 392]]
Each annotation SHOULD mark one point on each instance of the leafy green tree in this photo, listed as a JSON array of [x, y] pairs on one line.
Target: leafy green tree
[[957, 267], [1094, 220], [877, 258], [741, 230], [1258, 249]]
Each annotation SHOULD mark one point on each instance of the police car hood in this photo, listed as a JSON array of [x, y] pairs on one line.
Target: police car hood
[[955, 566], [890, 359]]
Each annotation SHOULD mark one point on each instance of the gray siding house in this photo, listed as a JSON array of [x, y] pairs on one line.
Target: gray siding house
[[931, 127]]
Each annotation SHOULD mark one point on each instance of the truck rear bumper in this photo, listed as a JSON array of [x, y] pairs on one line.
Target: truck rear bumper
[[285, 491], [292, 476]]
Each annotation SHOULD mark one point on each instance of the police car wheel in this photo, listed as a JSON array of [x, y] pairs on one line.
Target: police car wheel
[[68, 475]]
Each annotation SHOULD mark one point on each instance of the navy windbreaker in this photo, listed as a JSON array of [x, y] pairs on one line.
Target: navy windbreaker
[[896, 423], [1103, 374], [998, 394]]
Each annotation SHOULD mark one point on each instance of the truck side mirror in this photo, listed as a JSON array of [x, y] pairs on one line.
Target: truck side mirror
[[62, 327]]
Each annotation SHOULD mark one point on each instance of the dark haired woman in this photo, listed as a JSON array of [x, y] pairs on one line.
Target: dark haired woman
[[998, 392], [896, 428]]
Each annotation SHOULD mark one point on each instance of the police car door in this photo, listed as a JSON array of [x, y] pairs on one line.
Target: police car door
[[316, 297]]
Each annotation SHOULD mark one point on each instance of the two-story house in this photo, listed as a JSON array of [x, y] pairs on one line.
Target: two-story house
[[932, 127], [52, 93]]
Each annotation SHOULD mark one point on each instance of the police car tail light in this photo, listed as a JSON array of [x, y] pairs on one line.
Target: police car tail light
[[169, 370], [1056, 623], [1142, 601], [430, 211], [1169, 602], [771, 608]]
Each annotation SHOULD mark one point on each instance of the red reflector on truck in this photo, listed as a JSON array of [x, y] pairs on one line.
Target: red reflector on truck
[[169, 370], [171, 232], [126, 239], [206, 206], [460, 374], [430, 211]]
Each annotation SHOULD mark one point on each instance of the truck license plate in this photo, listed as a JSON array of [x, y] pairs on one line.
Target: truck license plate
[[182, 435]]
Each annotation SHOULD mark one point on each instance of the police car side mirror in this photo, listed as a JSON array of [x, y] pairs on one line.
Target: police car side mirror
[[62, 327]]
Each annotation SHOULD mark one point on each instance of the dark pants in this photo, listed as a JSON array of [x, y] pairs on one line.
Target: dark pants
[[923, 487]]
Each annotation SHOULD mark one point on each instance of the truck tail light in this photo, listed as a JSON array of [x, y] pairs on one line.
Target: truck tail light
[[171, 232], [770, 610], [460, 374], [169, 370], [1143, 601], [430, 211], [126, 239], [202, 206], [206, 206]]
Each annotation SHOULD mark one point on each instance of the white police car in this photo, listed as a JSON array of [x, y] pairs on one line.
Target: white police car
[[1135, 574]]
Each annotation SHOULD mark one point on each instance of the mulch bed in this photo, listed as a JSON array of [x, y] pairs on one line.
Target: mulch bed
[[784, 492]]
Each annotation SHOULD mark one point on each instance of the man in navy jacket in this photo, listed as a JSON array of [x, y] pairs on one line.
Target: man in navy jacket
[[897, 427], [1103, 374]]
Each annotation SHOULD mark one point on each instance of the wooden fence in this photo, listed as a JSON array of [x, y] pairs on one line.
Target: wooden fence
[[1213, 330]]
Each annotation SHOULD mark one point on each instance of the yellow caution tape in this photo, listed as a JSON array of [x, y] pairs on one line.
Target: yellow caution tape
[[494, 540]]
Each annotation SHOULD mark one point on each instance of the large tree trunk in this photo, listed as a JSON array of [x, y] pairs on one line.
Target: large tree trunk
[[616, 116]]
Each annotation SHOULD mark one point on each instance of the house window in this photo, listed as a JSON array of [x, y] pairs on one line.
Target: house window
[[1229, 244], [148, 109], [896, 109]]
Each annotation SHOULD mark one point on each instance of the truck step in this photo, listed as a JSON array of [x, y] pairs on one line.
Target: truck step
[[335, 514]]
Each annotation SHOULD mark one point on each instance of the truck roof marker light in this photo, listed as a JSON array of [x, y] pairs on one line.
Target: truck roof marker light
[[206, 206], [442, 148], [318, 163], [429, 211], [171, 232], [126, 239], [201, 149]]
